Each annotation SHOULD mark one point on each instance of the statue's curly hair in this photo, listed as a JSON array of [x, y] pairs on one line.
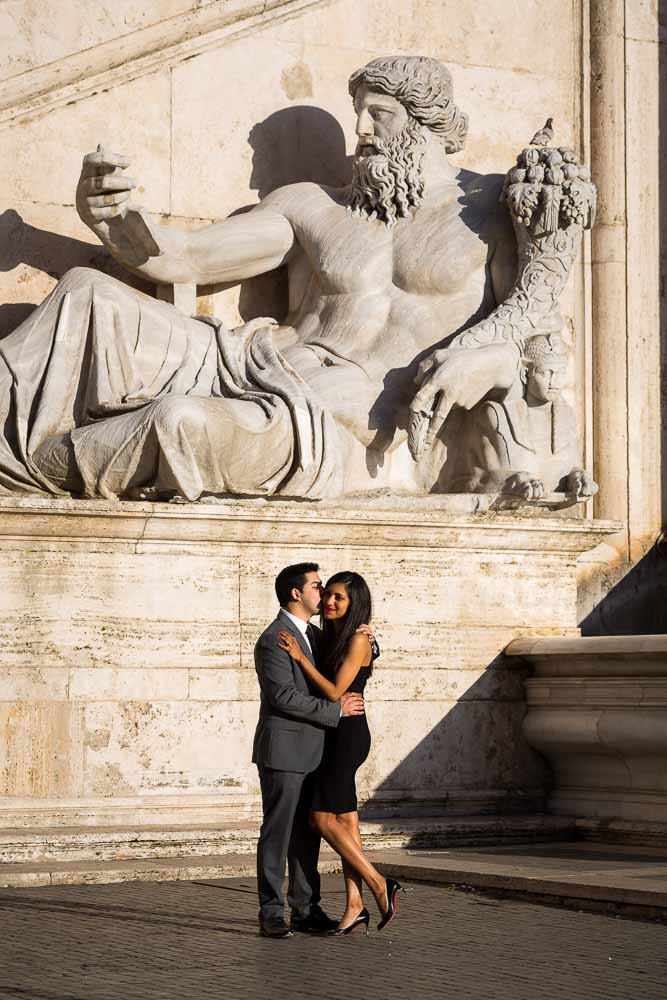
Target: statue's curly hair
[[424, 88]]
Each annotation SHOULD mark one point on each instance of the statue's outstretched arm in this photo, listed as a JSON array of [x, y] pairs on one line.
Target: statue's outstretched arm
[[551, 201], [232, 250]]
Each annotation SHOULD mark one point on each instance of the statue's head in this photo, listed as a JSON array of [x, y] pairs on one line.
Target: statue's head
[[401, 103], [544, 367]]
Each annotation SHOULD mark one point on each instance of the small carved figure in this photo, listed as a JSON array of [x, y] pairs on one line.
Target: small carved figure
[[526, 445]]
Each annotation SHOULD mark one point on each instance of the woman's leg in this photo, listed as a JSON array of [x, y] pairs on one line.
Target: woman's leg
[[338, 836], [354, 903]]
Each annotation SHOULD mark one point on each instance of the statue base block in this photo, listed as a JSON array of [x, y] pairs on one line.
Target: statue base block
[[128, 694]]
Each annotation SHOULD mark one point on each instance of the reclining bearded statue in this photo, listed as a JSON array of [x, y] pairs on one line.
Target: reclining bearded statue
[[411, 294]]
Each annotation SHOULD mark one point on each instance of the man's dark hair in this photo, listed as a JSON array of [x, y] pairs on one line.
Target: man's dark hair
[[290, 578]]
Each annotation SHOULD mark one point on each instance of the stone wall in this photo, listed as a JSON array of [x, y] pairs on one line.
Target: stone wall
[[217, 103], [128, 693], [596, 710]]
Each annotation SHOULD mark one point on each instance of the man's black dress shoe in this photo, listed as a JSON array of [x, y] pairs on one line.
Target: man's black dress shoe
[[274, 928], [317, 922]]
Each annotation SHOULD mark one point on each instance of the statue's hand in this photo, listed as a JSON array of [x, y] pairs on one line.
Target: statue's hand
[[525, 485], [456, 376], [103, 191], [581, 483]]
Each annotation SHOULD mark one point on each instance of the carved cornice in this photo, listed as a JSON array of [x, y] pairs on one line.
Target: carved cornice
[[426, 524], [119, 60]]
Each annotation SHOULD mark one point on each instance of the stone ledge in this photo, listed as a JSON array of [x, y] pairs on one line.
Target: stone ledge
[[400, 521], [176, 869], [595, 876], [621, 655], [613, 831]]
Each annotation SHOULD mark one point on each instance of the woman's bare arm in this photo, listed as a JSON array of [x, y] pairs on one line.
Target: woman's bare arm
[[357, 653]]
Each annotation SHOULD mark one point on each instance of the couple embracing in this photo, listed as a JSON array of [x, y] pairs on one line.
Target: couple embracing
[[311, 738]]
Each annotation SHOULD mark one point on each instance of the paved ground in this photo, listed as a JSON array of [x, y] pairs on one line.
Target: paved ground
[[192, 940]]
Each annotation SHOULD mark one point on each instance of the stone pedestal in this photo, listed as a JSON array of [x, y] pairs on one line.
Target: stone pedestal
[[597, 709], [128, 692]]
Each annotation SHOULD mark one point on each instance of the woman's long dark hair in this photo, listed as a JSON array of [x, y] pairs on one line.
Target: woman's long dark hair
[[358, 613]]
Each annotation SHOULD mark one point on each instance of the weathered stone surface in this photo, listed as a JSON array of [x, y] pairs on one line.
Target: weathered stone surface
[[597, 709], [28, 42], [128, 692], [106, 117]]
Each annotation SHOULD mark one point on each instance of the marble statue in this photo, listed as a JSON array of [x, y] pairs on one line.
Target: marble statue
[[411, 294], [526, 443]]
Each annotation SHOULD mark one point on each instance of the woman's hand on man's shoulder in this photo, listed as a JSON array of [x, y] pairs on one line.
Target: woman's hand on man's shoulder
[[367, 631]]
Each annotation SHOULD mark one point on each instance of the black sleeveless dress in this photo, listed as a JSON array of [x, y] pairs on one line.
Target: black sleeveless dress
[[345, 749]]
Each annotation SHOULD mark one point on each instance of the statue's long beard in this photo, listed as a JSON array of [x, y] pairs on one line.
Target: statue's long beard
[[387, 185]]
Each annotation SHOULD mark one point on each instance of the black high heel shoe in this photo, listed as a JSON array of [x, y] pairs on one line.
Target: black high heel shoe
[[392, 889], [363, 918]]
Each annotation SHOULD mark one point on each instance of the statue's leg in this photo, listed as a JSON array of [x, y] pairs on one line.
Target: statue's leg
[[186, 445], [56, 460], [96, 345]]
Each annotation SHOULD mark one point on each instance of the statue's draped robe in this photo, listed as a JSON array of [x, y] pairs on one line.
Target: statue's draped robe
[[144, 397]]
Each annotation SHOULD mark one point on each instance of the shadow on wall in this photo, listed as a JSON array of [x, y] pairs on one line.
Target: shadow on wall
[[300, 143], [475, 760], [51, 253], [637, 605]]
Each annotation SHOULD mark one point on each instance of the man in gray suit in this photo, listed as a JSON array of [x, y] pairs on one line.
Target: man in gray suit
[[287, 749]]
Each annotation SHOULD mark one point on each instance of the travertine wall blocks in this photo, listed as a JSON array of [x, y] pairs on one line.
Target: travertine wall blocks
[[128, 687]]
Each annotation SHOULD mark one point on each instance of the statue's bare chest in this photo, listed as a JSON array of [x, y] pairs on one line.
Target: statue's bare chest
[[434, 254]]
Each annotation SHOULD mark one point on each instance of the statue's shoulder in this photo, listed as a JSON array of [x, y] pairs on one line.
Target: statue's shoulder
[[489, 416], [295, 201]]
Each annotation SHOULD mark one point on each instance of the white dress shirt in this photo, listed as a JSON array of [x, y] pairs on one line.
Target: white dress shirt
[[302, 626]]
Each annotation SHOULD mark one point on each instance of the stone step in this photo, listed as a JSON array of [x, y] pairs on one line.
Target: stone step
[[68, 856], [71, 845], [151, 870], [599, 877], [602, 877]]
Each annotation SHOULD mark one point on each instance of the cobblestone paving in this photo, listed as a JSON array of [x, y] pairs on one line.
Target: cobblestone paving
[[192, 940]]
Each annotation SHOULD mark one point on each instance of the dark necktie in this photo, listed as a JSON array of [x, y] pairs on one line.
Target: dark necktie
[[311, 633]]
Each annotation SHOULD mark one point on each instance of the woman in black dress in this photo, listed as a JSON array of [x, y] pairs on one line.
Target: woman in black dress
[[345, 659]]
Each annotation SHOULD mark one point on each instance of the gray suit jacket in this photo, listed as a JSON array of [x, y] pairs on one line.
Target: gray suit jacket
[[290, 731]]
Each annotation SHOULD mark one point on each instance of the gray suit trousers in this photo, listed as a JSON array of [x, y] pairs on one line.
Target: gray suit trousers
[[286, 837]]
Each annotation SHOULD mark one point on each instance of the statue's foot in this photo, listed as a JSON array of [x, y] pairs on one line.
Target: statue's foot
[[581, 484], [153, 494], [522, 484]]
